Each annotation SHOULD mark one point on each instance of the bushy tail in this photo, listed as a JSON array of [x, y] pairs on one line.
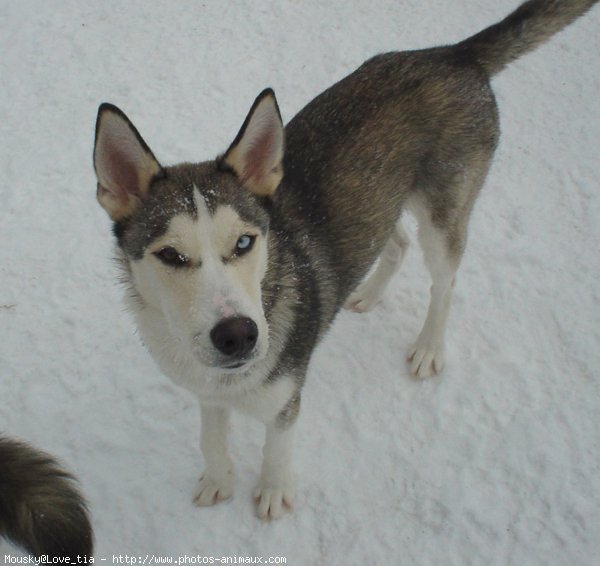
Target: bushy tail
[[528, 26], [40, 507]]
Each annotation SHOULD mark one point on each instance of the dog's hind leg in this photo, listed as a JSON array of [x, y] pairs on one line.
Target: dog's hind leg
[[442, 211], [370, 291], [442, 251]]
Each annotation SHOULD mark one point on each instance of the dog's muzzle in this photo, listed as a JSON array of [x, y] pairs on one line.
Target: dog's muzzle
[[235, 338]]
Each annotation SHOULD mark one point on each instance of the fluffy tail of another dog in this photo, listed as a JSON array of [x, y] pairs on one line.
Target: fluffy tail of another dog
[[40, 508], [528, 26]]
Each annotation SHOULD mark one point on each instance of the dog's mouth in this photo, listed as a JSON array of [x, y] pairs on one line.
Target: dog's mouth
[[237, 367], [223, 364]]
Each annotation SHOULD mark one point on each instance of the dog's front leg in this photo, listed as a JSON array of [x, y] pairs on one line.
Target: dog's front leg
[[217, 482], [275, 489]]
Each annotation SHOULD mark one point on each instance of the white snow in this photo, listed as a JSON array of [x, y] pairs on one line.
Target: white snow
[[497, 461]]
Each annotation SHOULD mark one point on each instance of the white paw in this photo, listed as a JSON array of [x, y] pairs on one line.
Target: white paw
[[426, 358], [364, 298], [212, 490], [272, 501]]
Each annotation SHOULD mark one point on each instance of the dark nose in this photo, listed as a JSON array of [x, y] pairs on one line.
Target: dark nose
[[235, 337]]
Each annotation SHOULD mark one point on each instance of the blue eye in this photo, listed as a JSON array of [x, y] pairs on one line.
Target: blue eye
[[244, 244]]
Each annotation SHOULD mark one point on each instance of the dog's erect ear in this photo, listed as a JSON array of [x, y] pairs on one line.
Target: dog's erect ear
[[256, 154], [124, 164]]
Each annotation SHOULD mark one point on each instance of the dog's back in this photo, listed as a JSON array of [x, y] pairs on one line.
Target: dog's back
[[420, 124], [403, 123]]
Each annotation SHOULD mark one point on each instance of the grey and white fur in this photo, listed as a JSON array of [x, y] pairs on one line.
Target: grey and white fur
[[237, 266]]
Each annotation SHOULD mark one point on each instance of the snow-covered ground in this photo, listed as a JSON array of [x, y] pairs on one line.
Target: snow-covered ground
[[495, 462]]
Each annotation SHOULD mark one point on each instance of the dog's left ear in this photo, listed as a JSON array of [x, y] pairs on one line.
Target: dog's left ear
[[256, 154], [125, 166]]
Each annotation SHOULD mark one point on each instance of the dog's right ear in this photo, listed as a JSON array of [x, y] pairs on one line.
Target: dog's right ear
[[256, 154], [124, 164]]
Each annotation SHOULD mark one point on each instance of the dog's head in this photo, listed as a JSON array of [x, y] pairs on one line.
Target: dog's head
[[194, 236]]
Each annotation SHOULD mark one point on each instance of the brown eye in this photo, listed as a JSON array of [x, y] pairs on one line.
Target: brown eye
[[170, 256]]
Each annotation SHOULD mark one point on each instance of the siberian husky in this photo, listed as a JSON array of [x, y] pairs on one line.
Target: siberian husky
[[237, 266]]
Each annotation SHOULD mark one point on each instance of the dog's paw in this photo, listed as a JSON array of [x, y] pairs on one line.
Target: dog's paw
[[426, 359], [364, 298], [212, 490], [272, 501]]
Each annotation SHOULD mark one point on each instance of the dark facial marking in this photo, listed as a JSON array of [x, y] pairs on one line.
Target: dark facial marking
[[170, 256], [173, 194]]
